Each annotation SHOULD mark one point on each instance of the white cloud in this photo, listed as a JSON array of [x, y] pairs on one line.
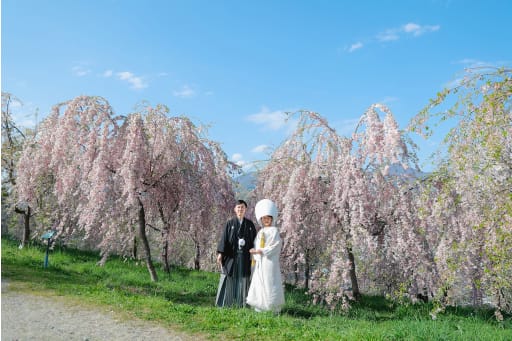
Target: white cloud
[[237, 157], [80, 71], [470, 64], [242, 163], [135, 81], [24, 114], [185, 92], [474, 63], [417, 30], [108, 73], [261, 148], [347, 127], [388, 35], [453, 83], [388, 99], [467, 61], [273, 120], [480, 64], [355, 46], [411, 28], [15, 104]]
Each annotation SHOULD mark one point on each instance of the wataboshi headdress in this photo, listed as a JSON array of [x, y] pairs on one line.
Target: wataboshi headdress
[[266, 207]]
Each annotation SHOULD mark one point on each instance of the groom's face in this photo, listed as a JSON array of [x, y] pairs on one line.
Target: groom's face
[[240, 210]]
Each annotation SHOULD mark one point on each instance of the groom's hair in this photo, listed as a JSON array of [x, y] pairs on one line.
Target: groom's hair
[[241, 202]]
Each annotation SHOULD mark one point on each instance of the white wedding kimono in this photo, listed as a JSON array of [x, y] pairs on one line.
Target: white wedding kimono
[[266, 289]]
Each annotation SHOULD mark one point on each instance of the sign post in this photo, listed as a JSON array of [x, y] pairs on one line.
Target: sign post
[[48, 236]]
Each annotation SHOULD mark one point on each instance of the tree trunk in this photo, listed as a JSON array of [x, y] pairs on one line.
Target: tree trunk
[[296, 274], [306, 271], [477, 294], [166, 231], [26, 229], [145, 243], [165, 251], [134, 248], [103, 259], [476, 276], [26, 224], [353, 277], [197, 265]]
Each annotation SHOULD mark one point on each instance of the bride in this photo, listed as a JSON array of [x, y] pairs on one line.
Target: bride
[[266, 290]]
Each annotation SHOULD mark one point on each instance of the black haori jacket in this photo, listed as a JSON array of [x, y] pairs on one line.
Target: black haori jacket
[[229, 241]]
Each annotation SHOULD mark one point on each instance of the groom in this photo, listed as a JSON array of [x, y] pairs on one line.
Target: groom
[[234, 258]]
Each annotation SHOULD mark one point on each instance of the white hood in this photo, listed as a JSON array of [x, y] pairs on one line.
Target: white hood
[[266, 207]]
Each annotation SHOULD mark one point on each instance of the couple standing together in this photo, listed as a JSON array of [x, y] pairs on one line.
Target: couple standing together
[[263, 290]]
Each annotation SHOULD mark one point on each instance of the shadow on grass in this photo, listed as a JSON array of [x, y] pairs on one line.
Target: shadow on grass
[[75, 272], [379, 309]]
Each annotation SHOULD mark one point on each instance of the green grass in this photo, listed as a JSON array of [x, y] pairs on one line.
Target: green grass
[[184, 300]]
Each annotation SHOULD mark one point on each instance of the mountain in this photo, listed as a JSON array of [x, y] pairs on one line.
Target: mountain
[[245, 183]]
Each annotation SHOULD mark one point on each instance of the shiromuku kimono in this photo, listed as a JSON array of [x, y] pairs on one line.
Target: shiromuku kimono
[[236, 241], [266, 290]]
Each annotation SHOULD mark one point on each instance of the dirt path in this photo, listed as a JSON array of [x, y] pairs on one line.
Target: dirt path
[[30, 317]]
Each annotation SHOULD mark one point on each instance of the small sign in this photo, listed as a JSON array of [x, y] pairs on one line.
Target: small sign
[[48, 235]]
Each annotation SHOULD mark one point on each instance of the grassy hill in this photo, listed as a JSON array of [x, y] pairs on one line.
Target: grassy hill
[[184, 300]]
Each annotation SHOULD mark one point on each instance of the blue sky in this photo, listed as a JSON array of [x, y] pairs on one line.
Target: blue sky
[[239, 65]]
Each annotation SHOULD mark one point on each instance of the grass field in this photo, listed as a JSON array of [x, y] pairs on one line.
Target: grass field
[[184, 300]]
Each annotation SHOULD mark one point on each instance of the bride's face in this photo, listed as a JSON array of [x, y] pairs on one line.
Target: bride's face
[[266, 220]]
